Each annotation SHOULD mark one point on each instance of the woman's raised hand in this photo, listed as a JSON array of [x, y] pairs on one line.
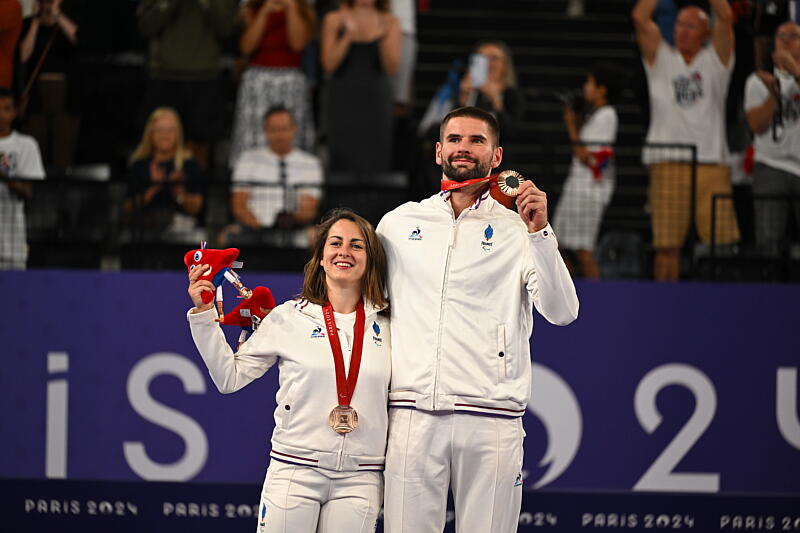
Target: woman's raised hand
[[197, 286]]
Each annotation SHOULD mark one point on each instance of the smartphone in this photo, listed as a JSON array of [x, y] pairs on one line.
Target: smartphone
[[478, 70]]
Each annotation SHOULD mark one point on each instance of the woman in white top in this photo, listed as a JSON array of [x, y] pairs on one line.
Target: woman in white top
[[332, 349]]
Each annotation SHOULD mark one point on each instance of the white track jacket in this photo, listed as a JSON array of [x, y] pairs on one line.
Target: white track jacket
[[294, 336], [461, 293]]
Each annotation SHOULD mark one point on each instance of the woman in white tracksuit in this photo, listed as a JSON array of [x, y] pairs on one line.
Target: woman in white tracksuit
[[320, 479]]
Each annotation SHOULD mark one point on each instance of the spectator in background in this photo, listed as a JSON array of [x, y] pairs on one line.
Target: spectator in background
[[767, 16], [772, 103], [10, 28], [275, 34], [688, 84], [403, 80], [164, 181], [50, 39], [590, 184], [496, 92], [361, 44], [276, 186], [185, 44], [19, 158]]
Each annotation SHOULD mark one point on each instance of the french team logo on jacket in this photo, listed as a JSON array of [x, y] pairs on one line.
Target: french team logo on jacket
[[262, 522], [377, 337], [317, 333], [416, 234], [486, 244]]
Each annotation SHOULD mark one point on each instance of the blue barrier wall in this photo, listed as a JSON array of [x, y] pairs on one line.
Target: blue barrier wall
[[681, 387]]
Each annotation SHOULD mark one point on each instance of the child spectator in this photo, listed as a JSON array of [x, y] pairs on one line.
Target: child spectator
[[19, 158], [590, 184]]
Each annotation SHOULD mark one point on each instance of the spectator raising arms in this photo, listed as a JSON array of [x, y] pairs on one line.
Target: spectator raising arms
[[275, 34], [688, 84], [164, 179], [361, 44]]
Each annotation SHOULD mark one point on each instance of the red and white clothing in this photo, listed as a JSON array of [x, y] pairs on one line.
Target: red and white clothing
[[294, 336], [462, 292], [585, 196], [273, 78]]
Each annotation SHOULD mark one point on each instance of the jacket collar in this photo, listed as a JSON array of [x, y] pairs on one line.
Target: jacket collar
[[484, 201], [315, 310]]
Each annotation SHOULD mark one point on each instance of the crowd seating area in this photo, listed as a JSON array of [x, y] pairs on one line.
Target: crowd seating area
[[77, 217]]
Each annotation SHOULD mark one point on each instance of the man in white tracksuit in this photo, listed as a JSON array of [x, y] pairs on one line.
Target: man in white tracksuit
[[463, 274]]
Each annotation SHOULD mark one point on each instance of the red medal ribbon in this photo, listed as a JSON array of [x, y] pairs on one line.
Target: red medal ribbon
[[449, 185], [345, 387]]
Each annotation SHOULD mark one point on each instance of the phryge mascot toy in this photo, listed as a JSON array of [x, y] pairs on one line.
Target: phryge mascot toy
[[256, 303]]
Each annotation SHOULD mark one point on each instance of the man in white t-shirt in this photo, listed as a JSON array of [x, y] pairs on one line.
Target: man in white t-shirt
[[277, 187], [688, 86], [772, 103], [590, 184], [20, 159]]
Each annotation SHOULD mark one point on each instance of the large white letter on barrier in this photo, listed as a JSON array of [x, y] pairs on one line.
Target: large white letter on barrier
[[194, 458]]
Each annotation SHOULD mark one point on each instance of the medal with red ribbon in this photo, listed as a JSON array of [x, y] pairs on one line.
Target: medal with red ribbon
[[343, 418], [507, 181]]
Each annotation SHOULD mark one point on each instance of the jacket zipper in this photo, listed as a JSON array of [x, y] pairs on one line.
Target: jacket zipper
[[450, 243], [341, 453]]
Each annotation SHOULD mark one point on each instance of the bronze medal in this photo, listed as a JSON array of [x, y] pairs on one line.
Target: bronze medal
[[343, 419], [509, 181]]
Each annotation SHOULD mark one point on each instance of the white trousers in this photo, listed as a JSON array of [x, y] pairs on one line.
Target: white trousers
[[300, 499], [479, 457]]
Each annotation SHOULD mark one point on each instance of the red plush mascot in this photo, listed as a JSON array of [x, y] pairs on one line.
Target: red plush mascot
[[250, 312], [222, 263]]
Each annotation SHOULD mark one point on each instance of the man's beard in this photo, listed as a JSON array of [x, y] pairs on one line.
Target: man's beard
[[480, 170]]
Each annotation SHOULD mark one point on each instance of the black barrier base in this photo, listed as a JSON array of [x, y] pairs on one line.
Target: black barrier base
[[87, 506]]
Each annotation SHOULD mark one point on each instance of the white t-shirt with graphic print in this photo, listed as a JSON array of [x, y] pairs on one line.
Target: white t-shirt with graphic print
[[20, 158], [778, 147], [687, 105]]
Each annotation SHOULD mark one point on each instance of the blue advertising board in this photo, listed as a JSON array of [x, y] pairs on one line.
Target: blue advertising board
[[655, 388]]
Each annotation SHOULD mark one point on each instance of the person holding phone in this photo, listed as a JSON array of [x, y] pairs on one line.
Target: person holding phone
[[772, 103], [491, 84], [328, 446]]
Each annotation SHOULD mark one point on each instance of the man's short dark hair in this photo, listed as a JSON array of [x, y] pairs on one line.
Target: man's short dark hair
[[478, 114], [612, 77], [5, 92], [280, 108]]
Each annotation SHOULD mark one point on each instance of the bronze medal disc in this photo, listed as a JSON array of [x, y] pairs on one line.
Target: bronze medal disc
[[509, 181], [343, 419]]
